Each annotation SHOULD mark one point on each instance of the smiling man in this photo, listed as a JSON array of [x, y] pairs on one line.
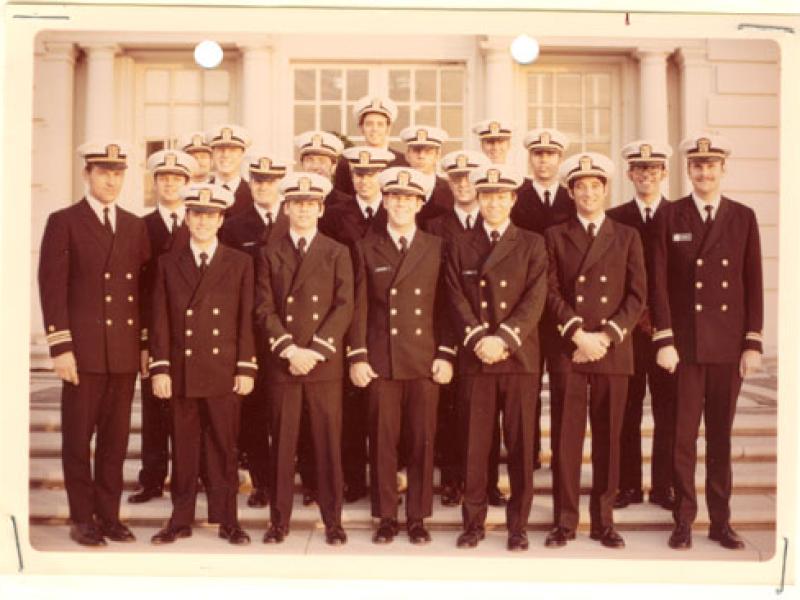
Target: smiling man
[[596, 292], [495, 137], [228, 144], [91, 257], [319, 153], [647, 169], [707, 303], [497, 280], [195, 145], [423, 150]]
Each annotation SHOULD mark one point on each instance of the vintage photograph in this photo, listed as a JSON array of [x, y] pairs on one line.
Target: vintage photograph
[[404, 295]]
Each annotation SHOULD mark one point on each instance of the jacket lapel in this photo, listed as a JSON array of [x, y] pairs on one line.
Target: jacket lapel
[[414, 254], [215, 271], [577, 235], [601, 243], [95, 227], [188, 268], [314, 255], [717, 226], [504, 245]]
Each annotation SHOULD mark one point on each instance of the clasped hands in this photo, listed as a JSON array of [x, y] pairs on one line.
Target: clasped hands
[[491, 349], [591, 346], [302, 360]]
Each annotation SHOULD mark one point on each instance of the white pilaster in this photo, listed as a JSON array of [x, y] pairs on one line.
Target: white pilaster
[[653, 112], [499, 84], [695, 74], [100, 99], [257, 97]]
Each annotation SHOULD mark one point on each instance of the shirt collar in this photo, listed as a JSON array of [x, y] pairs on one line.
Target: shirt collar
[[395, 235], [598, 222], [430, 181], [196, 250], [233, 184], [262, 212], [642, 207], [309, 238], [501, 229], [462, 215], [540, 189], [98, 207], [374, 205], [166, 214], [701, 204]]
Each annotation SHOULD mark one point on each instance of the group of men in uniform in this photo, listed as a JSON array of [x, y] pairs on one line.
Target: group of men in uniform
[[363, 310]]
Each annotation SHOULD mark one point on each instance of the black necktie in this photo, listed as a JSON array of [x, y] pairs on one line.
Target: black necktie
[[648, 215], [468, 224], [174, 218], [269, 219], [547, 198], [203, 262], [301, 247], [591, 229], [370, 213], [107, 221], [709, 219], [403, 244], [494, 236]]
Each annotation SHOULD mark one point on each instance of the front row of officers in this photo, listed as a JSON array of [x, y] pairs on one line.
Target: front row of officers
[[463, 298]]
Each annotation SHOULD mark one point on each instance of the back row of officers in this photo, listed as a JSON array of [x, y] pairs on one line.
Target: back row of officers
[[407, 309]]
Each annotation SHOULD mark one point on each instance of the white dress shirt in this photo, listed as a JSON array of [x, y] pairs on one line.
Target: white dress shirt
[[196, 250], [98, 207], [701, 204], [462, 216], [166, 215], [396, 235]]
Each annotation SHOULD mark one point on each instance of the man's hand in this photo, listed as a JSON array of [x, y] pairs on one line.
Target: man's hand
[[66, 367], [667, 358], [579, 357], [162, 386], [442, 371], [302, 361], [491, 349], [243, 384], [749, 363], [361, 374], [144, 359], [593, 345]]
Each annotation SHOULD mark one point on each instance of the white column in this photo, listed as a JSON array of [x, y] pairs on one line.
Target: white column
[[100, 92], [695, 73], [52, 161], [653, 114], [257, 101], [499, 82]]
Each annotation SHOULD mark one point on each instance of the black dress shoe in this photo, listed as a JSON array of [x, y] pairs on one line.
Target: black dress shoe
[[470, 538], [726, 537], [417, 534], [170, 533], [681, 537], [627, 497], [518, 542], [664, 498], [497, 498], [558, 536], [608, 537], [145, 494], [451, 495], [275, 534], [86, 534], [258, 498], [387, 529], [117, 532], [309, 497], [234, 534], [335, 536], [354, 493]]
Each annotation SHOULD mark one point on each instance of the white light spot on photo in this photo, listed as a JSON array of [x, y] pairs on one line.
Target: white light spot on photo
[[524, 49], [208, 54]]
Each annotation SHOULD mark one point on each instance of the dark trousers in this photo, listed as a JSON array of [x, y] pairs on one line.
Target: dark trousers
[[254, 432], [557, 383], [209, 426], [156, 432], [449, 437], [324, 400], [709, 391], [604, 397], [101, 404], [305, 453], [515, 395], [402, 410], [354, 435], [662, 394]]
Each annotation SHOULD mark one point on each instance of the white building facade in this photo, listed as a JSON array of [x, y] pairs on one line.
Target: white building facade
[[146, 88]]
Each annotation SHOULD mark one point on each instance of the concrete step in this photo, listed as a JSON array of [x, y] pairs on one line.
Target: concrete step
[[748, 477], [749, 511]]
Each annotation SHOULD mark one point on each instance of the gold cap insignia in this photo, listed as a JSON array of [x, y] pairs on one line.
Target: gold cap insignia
[[461, 161], [544, 138], [112, 150], [493, 175], [645, 150], [403, 177], [304, 184], [264, 163], [363, 158], [316, 141], [205, 195], [227, 134], [703, 144], [585, 163], [170, 160], [494, 127], [197, 140], [422, 135]]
